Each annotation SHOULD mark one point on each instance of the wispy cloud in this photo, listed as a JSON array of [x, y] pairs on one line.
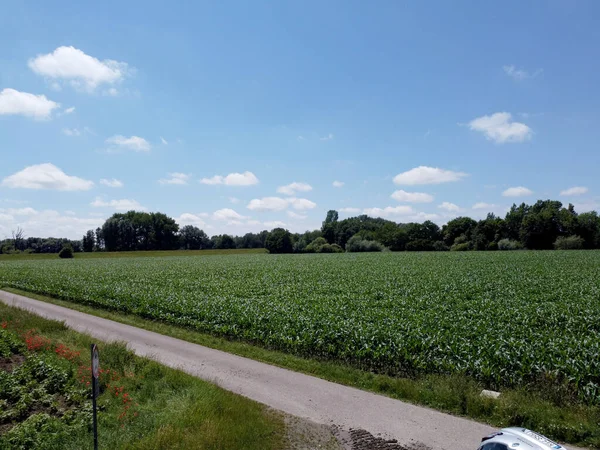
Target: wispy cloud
[[329, 137], [175, 178], [518, 191], [135, 143], [520, 74], [575, 190], [113, 182], [428, 175], [233, 179]]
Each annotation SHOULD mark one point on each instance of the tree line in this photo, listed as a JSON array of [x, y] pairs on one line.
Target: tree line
[[547, 224]]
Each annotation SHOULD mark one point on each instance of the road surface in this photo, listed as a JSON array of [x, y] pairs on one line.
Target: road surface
[[294, 393]]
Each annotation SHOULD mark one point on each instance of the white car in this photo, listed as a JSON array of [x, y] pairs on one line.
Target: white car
[[516, 438]]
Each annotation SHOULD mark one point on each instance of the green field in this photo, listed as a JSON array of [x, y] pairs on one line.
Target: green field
[[505, 319]]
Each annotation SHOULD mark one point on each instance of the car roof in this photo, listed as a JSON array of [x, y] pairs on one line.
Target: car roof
[[523, 439]]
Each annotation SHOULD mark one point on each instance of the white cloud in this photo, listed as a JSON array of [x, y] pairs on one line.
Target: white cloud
[[71, 132], [576, 190], [389, 211], [294, 215], [227, 214], [500, 128], [233, 179], [274, 224], [19, 211], [449, 207], [427, 175], [13, 102], [234, 200], [338, 184], [412, 197], [119, 205], [329, 137], [82, 71], [134, 143], [294, 187], [518, 191], [483, 205], [175, 178], [48, 223], [113, 182], [46, 176], [69, 110], [587, 207], [164, 141], [111, 92], [350, 210], [520, 74], [190, 219], [268, 204], [301, 204]]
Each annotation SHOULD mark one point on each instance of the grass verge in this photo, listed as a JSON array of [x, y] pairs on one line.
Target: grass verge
[[143, 405], [548, 411], [134, 254]]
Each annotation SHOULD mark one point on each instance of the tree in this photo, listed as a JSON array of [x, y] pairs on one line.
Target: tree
[[224, 241], [457, 227], [136, 230], [279, 241], [193, 238], [66, 252], [88, 241], [588, 227], [18, 236], [328, 228]]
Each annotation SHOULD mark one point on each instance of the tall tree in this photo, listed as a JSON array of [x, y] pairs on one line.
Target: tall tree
[[88, 241]]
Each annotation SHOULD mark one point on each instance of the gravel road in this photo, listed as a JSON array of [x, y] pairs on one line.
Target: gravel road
[[365, 420]]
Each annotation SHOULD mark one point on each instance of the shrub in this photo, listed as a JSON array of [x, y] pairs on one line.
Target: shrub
[[66, 252], [356, 244], [462, 247], [315, 246], [420, 245], [569, 243], [439, 246], [330, 248], [492, 246], [509, 244]]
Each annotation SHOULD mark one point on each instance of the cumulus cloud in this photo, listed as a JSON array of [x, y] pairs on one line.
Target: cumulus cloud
[[483, 205], [451, 207], [412, 197], [175, 178], [301, 204], [338, 184], [227, 214], [389, 211], [268, 204], [520, 74], [190, 219], [135, 143], [118, 205], [518, 191], [46, 176], [13, 102], [113, 182], [294, 215], [575, 190], [82, 71], [47, 223], [427, 175], [500, 128], [233, 179], [294, 187]]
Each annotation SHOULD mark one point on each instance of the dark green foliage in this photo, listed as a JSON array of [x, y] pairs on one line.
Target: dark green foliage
[[569, 243], [193, 238], [279, 241], [358, 244], [509, 244], [461, 226], [420, 245], [136, 230], [66, 252], [223, 241], [89, 241], [315, 246]]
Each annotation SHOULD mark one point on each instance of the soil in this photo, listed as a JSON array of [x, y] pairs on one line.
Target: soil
[[359, 439], [10, 363]]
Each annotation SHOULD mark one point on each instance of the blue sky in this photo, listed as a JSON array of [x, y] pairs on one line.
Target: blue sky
[[240, 116]]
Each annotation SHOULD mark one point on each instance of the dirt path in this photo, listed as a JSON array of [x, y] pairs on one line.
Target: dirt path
[[362, 419]]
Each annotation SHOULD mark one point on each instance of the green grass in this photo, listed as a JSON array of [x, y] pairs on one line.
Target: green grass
[[134, 254], [547, 410], [175, 410]]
